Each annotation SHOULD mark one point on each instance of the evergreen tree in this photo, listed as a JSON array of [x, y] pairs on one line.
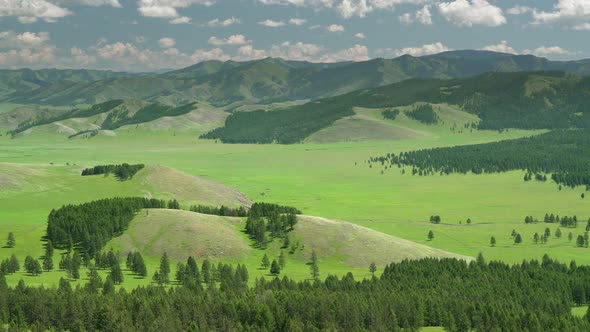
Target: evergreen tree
[[580, 241], [94, 280], [517, 238], [536, 238], [13, 264], [265, 261], [116, 274], [10, 241], [47, 263], [430, 235], [32, 266], [162, 276], [558, 233], [493, 241], [206, 270], [315, 271], [282, 260], [109, 286], [372, 268], [49, 248], [570, 236], [275, 269]]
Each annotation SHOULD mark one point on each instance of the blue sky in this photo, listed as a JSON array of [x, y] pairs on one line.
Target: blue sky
[[144, 35]]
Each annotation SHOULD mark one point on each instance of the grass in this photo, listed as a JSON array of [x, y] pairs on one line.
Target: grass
[[580, 311], [320, 179]]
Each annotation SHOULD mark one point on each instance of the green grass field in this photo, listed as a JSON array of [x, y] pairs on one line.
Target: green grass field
[[330, 180]]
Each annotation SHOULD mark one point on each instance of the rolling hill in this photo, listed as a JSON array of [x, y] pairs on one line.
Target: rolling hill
[[524, 100], [273, 80]]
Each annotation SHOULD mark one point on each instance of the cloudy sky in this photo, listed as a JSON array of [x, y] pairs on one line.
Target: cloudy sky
[[147, 35]]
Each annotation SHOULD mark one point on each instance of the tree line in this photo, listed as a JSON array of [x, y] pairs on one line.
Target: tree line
[[460, 296], [122, 172], [563, 153], [88, 227]]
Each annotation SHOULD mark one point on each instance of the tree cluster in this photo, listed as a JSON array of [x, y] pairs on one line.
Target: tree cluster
[[390, 114], [561, 153], [122, 172], [460, 296], [423, 113], [88, 227]]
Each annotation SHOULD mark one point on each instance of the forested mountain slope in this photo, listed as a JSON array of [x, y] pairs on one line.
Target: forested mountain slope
[[272, 79]]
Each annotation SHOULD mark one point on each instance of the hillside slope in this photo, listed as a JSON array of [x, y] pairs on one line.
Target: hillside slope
[[524, 100], [271, 80]]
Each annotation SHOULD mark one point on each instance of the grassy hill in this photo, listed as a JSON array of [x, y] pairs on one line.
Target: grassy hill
[[107, 117], [181, 234], [271, 80], [525, 100]]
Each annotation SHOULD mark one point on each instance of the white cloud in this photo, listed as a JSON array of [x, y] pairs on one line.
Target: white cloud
[[424, 16], [356, 53], [573, 14], [406, 19], [297, 21], [472, 12], [360, 35], [335, 28], [180, 20], [217, 23], [248, 52], [419, 50], [231, 40], [92, 3], [520, 10], [295, 51], [346, 8], [501, 47], [11, 39], [168, 8], [167, 42], [271, 23], [549, 50], [29, 10]]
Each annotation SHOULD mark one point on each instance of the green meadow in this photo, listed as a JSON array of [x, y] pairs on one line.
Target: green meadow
[[330, 180]]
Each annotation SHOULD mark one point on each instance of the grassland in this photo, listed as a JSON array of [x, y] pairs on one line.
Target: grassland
[[326, 180]]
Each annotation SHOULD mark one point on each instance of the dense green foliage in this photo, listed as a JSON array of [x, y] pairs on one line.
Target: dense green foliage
[[273, 218], [122, 172], [220, 211], [151, 112], [423, 113], [532, 296], [390, 114], [285, 126], [563, 153], [89, 226]]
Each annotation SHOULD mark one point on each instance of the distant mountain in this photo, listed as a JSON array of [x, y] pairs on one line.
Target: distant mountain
[[527, 100], [269, 80], [24, 80]]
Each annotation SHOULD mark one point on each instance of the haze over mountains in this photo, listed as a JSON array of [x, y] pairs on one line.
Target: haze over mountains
[[268, 80]]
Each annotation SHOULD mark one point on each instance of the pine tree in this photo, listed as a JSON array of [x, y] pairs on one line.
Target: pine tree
[[282, 260], [10, 241], [265, 261], [430, 235], [116, 274], [518, 238], [493, 241], [13, 264], [372, 268], [275, 269], [47, 263], [163, 272], [315, 270], [558, 233]]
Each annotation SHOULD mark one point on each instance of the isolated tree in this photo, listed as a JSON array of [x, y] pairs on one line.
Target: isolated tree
[[518, 238], [430, 235], [582, 195], [468, 221], [265, 261], [536, 238], [10, 241], [372, 268], [547, 232], [47, 263], [513, 234], [570, 236], [282, 260], [275, 269], [558, 233], [493, 241], [315, 270]]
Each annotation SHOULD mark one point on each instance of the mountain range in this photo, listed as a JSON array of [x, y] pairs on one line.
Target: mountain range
[[231, 84]]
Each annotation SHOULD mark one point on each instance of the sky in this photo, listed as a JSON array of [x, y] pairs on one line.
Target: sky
[[149, 35]]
